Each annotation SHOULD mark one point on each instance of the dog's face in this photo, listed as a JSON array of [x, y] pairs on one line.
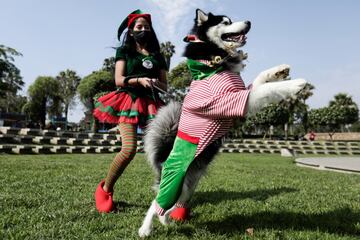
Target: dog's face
[[221, 31]]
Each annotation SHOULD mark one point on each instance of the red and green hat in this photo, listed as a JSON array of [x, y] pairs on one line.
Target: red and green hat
[[131, 18]]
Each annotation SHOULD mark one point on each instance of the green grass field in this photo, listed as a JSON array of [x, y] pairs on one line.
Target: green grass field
[[51, 197]]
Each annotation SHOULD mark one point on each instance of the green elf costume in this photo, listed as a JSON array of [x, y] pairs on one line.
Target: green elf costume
[[129, 106]]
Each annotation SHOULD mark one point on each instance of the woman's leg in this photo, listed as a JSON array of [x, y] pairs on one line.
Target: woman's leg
[[124, 157], [103, 193]]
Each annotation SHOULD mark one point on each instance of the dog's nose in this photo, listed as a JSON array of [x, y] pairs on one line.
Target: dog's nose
[[248, 26]]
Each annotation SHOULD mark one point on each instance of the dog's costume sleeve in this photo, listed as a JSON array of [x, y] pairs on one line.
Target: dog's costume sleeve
[[222, 96]]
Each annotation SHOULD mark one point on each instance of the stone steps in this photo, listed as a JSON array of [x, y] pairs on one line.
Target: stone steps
[[35, 141], [48, 149], [28, 139], [297, 143], [53, 133], [299, 147], [294, 147]]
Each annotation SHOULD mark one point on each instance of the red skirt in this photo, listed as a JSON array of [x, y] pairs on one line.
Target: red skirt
[[119, 107]]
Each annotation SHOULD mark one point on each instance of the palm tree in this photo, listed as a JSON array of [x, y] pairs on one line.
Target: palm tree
[[344, 106], [342, 100], [69, 82], [167, 49], [109, 65]]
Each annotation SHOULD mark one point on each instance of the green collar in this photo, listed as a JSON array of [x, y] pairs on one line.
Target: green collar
[[200, 70]]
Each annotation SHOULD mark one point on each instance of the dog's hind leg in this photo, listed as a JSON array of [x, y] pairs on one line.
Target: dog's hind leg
[[160, 136], [196, 170], [146, 227], [182, 209]]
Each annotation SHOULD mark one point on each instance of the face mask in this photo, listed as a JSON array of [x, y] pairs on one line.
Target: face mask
[[141, 37]]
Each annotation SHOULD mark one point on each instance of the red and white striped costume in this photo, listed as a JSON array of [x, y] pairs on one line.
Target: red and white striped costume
[[207, 114], [211, 105]]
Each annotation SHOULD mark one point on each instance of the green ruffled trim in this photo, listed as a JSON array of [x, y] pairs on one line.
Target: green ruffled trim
[[129, 113]]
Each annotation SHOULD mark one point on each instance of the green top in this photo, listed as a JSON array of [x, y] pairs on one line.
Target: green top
[[140, 65], [200, 70]]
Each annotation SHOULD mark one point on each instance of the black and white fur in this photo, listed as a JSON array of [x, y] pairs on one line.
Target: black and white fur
[[217, 36]]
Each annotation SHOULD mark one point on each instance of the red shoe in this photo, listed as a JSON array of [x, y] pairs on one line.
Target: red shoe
[[103, 200], [180, 214]]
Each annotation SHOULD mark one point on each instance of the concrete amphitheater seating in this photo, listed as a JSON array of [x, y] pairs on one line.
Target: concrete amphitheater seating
[[299, 147], [35, 141]]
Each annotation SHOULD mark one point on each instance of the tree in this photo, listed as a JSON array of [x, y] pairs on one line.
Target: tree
[[10, 80], [179, 80], [180, 76], [91, 87], [109, 65], [286, 113], [14, 105], [68, 82], [271, 115], [167, 49], [44, 99], [345, 108], [355, 127], [342, 110], [301, 108], [298, 109]]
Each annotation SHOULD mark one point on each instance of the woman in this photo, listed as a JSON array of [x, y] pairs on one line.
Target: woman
[[139, 70]]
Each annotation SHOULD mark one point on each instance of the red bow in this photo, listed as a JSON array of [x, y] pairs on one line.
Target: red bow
[[132, 17], [192, 38]]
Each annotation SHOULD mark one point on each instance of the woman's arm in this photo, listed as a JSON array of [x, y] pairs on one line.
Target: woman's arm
[[120, 66], [119, 73]]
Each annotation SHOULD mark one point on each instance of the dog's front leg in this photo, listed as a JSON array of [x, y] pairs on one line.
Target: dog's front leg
[[274, 74], [192, 178], [273, 92]]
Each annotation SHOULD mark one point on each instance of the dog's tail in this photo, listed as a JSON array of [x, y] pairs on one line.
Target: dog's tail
[[160, 134]]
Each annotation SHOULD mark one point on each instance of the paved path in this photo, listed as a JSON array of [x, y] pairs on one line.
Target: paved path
[[342, 164]]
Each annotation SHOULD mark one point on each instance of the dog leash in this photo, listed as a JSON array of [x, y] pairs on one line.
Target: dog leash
[[160, 90]]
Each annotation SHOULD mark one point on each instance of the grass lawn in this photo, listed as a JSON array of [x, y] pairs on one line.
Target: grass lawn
[[51, 197]]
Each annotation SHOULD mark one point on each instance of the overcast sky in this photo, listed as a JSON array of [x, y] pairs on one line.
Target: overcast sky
[[319, 39]]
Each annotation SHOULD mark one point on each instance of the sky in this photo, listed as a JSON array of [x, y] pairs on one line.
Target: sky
[[320, 39]]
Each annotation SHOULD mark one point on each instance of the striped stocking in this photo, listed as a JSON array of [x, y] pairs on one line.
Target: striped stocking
[[124, 157]]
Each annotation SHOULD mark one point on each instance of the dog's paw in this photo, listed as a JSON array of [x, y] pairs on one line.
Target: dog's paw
[[144, 231], [296, 86], [242, 55], [165, 219], [274, 74], [278, 73]]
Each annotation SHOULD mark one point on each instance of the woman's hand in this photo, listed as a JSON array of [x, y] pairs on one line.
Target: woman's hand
[[147, 82]]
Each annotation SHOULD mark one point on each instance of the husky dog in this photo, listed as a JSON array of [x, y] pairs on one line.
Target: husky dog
[[214, 40]]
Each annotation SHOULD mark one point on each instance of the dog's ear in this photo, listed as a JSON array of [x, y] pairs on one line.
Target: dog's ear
[[201, 17]]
